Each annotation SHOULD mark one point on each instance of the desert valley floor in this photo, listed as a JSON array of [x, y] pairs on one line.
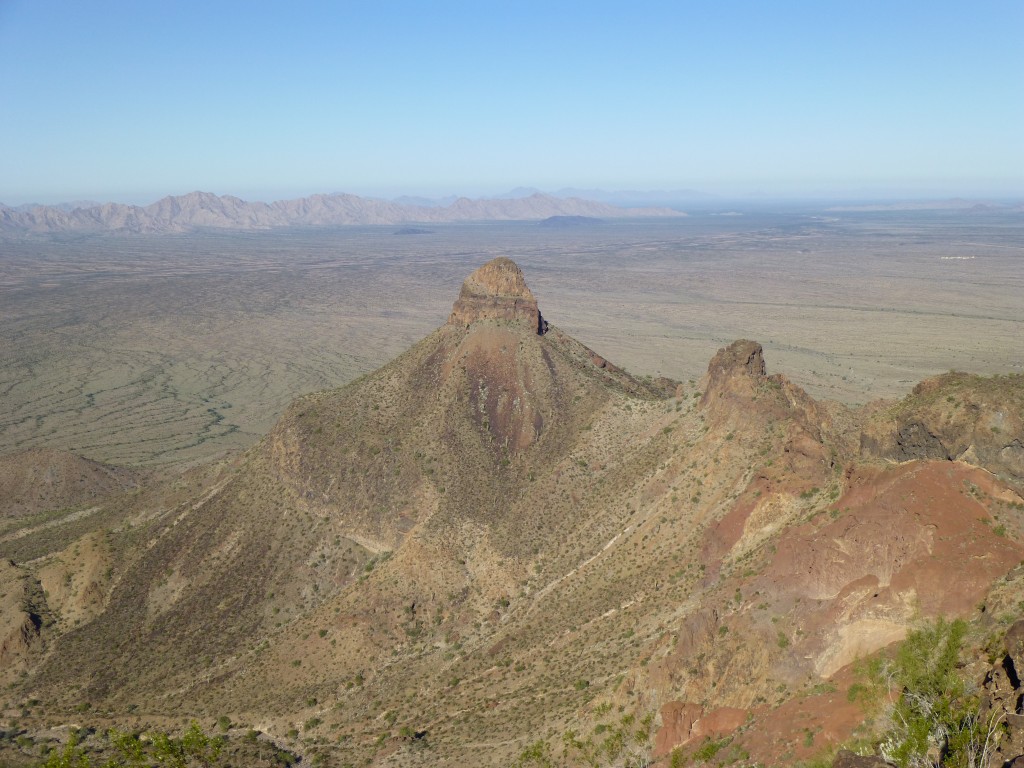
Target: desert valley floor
[[158, 349]]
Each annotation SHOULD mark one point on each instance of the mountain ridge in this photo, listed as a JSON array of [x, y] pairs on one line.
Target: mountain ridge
[[500, 537], [197, 210]]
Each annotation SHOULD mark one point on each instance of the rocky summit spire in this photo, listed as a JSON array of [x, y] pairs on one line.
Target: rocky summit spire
[[497, 291]]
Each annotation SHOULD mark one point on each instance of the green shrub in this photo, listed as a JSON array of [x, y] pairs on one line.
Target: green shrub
[[710, 748], [935, 713], [537, 754]]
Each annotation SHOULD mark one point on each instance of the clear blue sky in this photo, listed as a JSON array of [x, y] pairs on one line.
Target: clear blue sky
[[130, 101]]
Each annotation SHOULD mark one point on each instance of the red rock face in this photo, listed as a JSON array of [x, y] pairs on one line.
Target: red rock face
[[733, 370], [907, 528], [497, 291], [677, 720], [685, 722], [902, 543], [718, 722], [505, 397]]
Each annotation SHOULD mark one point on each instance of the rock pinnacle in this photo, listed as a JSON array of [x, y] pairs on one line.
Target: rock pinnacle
[[497, 291]]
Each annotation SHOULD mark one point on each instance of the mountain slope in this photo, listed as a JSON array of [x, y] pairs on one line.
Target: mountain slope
[[40, 480], [434, 444], [506, 545]]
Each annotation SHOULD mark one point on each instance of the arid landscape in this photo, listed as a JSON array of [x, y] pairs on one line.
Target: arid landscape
[[511, 385], [153, 350], [299, 490]]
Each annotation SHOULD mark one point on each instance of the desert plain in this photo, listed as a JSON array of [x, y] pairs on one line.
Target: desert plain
[[165, 349]]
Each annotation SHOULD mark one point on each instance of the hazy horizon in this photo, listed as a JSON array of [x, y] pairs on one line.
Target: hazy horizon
[[132, 102], [690, 197]]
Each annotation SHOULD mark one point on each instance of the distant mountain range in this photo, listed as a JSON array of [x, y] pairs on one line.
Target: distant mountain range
[[198, 210]]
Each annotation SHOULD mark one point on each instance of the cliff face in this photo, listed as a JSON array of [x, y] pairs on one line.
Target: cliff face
[[955, 416], [497, 291], [23, 620]]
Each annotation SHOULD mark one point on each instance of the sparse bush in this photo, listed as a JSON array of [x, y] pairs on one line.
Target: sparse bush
[[935, 714], [537, 755], [72, 756], [710, 747]]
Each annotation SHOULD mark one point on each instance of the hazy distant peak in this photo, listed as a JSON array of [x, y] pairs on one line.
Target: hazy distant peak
[[519, 192], [199, 209]]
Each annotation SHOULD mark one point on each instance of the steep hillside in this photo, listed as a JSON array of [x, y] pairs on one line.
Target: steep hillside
[[41, 480], [431, 447], [502, 547]]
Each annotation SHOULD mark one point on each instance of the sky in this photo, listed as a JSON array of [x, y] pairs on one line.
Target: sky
[[130, 101]]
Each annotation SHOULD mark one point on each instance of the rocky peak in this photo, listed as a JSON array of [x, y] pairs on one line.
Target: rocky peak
[[742, 356], [733, 369], [497, 291], [736, 377]]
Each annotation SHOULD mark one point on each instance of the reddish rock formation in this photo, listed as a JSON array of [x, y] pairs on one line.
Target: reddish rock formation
[[677, 719], [497, 291], [718, 722], [684, 722], [736, 374], [896, 532], [732, 369]]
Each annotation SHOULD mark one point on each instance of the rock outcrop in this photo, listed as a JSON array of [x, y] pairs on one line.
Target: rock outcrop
[[687, 723], [1003, 699], [497, 291], [737, 374], [734, 370], [23, 618], [956, 416]]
